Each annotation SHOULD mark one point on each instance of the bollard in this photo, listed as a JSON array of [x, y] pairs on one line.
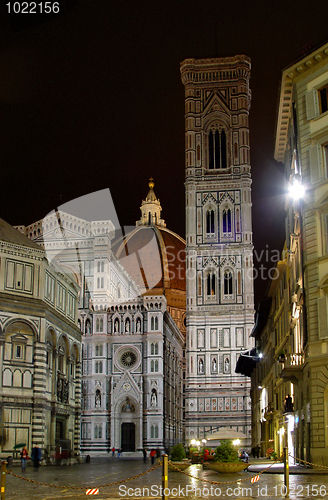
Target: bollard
[[286, 471], [165, 477], [3, 480]]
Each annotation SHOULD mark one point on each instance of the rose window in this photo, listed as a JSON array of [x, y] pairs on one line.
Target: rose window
[[128, 359]]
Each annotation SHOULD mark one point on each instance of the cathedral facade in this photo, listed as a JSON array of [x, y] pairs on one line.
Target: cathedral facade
[[220, 301], [131, 314]]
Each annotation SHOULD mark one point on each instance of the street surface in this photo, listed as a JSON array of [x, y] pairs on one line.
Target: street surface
[[102, 471]]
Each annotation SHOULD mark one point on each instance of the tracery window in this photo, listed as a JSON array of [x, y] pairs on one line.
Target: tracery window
[[227, 283], [211, 283], [226, 220], [217, 149], [210, 229]]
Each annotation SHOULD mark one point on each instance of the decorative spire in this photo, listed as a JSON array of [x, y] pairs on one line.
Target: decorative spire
[[151, 209]]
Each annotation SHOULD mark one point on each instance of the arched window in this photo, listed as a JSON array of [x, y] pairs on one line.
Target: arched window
[[102, 266], [156, 323], [210, 222], [226, 220], [156, 348], [102, 282], [211, 283], [149, 218], [156, 366], [152, 366], [152, 327], [97, 325], [152, 349], [101, 325], [217, 149], [227, 283], [98, 267]]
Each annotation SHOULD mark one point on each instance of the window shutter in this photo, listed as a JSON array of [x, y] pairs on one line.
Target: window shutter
[[312, 105], [322, 317], [315, 156]]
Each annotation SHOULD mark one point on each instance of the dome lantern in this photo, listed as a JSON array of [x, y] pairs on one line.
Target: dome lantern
[[151, 209]]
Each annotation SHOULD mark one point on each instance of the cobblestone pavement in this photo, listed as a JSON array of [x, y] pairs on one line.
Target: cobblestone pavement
[[102, 471]]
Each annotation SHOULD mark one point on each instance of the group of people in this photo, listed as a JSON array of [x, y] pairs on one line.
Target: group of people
[[36, 457], [153, 454], [119, 452]]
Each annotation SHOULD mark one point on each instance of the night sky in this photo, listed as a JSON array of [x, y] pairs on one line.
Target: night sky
[[93, 99]]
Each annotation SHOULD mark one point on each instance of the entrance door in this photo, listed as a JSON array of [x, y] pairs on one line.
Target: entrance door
[[128, 437]]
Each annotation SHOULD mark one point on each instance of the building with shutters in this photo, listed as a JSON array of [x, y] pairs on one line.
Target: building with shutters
[[302, 145], [220, 301]]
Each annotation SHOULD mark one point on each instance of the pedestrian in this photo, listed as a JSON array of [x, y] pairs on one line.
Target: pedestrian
[[113, 451], [24, 457], [158, 455], [144, 451], [257, 450], [152, 456], [36, 457]]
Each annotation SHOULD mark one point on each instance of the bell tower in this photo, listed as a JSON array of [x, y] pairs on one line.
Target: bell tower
[[220, 299]]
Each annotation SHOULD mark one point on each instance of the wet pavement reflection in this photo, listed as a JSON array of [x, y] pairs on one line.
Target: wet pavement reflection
[[102, 471]]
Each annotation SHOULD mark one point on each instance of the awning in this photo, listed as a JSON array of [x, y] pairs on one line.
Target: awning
[[225, 433], [247, 362]]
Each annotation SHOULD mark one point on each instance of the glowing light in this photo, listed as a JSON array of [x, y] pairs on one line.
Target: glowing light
[[296, 188], [236, 442]]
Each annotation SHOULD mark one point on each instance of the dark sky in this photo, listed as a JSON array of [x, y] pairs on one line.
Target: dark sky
[[93, 99]]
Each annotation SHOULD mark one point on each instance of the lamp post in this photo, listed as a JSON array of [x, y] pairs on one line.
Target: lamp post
[[204, 444]]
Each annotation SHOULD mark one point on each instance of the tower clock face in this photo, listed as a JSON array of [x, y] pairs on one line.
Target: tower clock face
[[128, 359]]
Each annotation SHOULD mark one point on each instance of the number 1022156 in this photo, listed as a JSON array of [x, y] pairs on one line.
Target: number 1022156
[[33, 7]]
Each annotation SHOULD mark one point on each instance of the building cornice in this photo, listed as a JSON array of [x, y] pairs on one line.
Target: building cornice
[[289, 75]]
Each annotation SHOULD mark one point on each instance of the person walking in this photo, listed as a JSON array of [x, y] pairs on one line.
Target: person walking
[[24, 457], [36, 457], [152, 456], [113, 451], [144, 451]]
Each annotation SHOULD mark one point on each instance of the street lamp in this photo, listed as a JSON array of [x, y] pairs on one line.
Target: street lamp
[[296, 188], [204, 443]]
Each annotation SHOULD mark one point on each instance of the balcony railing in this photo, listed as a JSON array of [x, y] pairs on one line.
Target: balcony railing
[[294, 359], [292, 367]]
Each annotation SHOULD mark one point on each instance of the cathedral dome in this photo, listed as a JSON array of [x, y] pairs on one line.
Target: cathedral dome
[[154, 256]]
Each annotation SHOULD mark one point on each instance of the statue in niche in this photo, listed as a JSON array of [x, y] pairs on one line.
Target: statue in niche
[[116, 325], [153, 399], [128, 407], [226, 365], [88, 326], [127, 326], [138, 325], [214, 365], [98, 399], [201, 366]]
